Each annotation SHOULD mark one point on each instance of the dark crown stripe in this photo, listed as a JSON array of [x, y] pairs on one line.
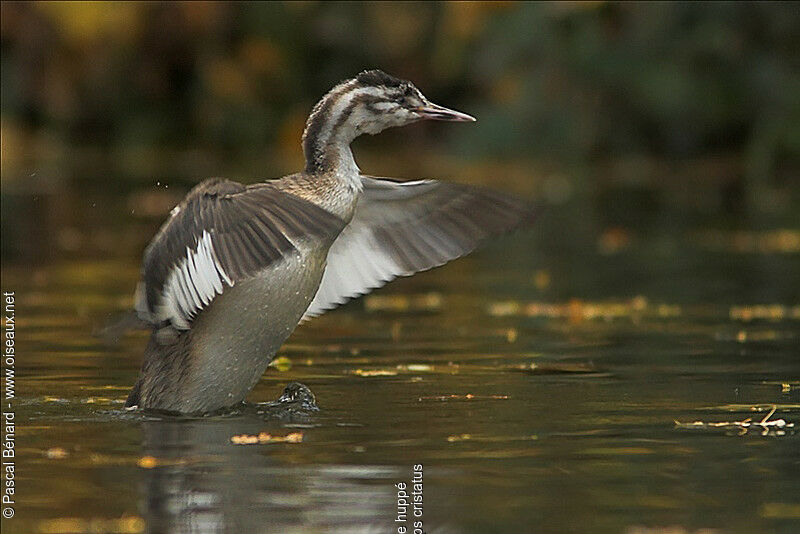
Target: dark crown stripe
[[377, 77]]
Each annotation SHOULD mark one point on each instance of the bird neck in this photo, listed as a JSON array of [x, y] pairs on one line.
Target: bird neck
[[333, 156], [329, 131]]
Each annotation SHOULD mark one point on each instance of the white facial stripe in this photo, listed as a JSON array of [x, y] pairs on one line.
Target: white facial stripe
[[385, 106], [192, 284], [339, 107]]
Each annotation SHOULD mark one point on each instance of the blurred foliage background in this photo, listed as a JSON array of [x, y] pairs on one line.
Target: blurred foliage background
[[617, 110], [662, 140]]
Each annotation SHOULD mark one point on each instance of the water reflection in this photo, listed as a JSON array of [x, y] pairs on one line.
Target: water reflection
[[204, 483]]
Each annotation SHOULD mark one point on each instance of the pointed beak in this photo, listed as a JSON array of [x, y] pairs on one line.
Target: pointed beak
[[440, 113]]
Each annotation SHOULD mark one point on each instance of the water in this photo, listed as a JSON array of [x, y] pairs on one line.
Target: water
[[629, 333]]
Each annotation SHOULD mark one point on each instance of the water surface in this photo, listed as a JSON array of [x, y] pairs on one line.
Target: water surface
[[538, 382]]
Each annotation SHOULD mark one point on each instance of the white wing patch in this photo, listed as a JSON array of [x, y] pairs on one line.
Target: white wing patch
[[356, 266], [400, 228], [192, 284]]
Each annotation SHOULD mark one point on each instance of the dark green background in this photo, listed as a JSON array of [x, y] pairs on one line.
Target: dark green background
[[661, 282]]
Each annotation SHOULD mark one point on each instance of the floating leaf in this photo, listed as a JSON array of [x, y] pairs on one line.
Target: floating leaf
[[147, 462], [468, 396], [374, 372], [556, 368], [56, 453], [263, 437], [423, 302], [281, 363], [765, 425], [415, 367]]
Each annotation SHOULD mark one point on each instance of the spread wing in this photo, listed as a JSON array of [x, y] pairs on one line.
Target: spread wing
[[222, 232], [400, 228]]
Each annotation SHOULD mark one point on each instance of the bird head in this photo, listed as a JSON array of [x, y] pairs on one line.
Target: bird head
[[385, 101]]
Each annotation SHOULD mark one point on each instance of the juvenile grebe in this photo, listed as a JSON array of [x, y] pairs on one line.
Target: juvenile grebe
[[236, 267]]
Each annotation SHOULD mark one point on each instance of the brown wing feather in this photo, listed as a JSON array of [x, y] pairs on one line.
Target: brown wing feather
[[402, 228], [247, 228]]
